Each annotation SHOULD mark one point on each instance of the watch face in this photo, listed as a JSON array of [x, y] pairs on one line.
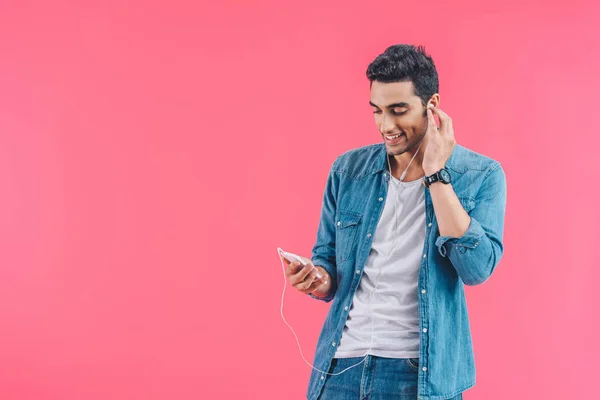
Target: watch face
[[445, 175]]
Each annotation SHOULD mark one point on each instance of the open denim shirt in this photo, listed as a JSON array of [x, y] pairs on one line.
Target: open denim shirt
[[353, 201]]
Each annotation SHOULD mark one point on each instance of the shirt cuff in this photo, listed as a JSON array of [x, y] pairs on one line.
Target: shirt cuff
[[470, 239]]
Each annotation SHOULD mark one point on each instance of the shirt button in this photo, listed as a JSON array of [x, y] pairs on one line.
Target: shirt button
[[423, 291], [346, 308], [339, 223], [424, 368], [358, 271], [424, 329], [429, 224], [424, 255], [476, 244], [333, 344], [381, 199], [368, 235], [322, 377]]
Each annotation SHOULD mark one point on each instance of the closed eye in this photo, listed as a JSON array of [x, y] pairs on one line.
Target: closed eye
[[393, 112]]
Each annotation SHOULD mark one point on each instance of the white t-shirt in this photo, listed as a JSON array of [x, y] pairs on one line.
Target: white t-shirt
[[395, 312]]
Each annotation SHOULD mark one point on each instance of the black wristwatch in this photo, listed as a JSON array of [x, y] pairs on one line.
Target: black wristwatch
[[441, 176]]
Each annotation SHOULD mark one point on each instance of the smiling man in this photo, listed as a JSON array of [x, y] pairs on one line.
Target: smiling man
[[405, 224]]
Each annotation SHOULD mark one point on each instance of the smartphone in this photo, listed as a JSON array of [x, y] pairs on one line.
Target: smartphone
[[291, 257]]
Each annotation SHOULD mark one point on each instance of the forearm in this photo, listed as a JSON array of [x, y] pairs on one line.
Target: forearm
[[452, 218], [472, 238], [454, 222]]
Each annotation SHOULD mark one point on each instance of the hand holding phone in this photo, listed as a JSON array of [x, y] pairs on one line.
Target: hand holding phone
[[291, 257], [303, 275]]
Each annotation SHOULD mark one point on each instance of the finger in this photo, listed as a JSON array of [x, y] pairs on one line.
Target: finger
[[293, 268], [431, 125], [303, 284], [285, 260], [288, 265], [309, 281], [317, 283], [445, 120], [301, 274]]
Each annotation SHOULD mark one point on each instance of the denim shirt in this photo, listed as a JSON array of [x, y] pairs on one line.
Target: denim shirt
[[353, 200]]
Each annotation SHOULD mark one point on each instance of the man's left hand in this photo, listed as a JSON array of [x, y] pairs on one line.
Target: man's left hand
[[440, 142]]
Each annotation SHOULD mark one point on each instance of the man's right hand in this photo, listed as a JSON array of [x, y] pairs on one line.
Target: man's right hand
[[304, 278]]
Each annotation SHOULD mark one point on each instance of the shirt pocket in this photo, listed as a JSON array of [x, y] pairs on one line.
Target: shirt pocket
[[347, 224]]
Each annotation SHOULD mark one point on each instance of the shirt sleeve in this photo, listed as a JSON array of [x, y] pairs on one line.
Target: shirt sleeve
[[323, 252], [476, 254]]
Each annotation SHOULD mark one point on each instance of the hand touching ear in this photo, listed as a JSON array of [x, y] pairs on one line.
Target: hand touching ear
[[440, 141]]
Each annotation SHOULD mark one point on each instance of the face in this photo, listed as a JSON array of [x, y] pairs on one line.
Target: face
[[398, 111]]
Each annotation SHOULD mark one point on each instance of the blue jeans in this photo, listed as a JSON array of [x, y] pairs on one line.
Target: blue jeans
[[377, 378]]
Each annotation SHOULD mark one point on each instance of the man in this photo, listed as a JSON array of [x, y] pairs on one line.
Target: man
[[405, 224]]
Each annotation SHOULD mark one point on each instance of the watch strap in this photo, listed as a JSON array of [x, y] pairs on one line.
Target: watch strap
[[435, 177]]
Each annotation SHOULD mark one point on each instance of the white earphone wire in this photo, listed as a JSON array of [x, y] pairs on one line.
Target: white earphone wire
[[372, 294]]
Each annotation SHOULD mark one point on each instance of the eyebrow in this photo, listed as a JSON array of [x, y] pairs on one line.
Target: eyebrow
[[393, 105]]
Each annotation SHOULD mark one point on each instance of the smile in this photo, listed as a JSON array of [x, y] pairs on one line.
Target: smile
[[393, 139]]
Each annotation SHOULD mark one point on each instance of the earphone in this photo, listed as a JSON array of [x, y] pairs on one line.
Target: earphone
[[296, 336], [376, 281]]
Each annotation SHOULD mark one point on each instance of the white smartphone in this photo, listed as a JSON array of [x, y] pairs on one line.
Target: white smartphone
[[294, 257]]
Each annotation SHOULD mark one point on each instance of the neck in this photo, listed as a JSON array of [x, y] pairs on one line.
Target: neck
[[399, 163]]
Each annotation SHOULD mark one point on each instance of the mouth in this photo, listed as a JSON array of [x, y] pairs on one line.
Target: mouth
[[394, 139]]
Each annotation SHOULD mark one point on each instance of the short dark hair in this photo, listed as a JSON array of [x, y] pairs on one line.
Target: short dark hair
[[405, 62]]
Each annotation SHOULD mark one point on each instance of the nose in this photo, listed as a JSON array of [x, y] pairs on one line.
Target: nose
[[386, 125]]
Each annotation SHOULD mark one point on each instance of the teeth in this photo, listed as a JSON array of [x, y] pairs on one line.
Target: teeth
[[394, 137]]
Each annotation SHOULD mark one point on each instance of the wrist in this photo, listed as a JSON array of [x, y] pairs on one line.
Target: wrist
[[431, 169]]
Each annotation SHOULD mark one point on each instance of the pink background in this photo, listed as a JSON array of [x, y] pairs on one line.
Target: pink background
[[154, 155]]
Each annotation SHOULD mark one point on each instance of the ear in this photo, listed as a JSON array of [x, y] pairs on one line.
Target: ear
[[434, 100]]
